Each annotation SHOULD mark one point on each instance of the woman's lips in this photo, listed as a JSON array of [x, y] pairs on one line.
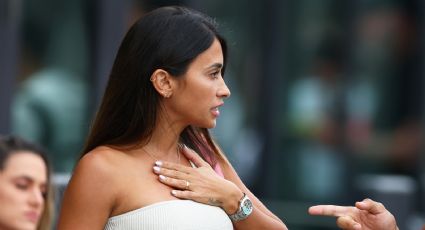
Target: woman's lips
[[215, 112], [32, 216]]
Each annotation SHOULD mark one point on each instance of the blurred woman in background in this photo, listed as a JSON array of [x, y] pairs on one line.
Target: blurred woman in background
[[25, 196]]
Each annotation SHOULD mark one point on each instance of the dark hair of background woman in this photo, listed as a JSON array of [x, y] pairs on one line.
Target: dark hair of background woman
[[168, 38], [10, 145]]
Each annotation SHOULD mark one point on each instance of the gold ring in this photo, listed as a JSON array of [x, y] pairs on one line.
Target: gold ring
[[187, 185]]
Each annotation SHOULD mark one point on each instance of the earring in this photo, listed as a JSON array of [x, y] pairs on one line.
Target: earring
[[167, 95]]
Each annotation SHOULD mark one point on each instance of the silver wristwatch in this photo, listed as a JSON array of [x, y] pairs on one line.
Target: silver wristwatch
[[245, 209]]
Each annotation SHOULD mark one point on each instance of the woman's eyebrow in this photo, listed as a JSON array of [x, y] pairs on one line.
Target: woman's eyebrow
[[24, 177], [215, 65]]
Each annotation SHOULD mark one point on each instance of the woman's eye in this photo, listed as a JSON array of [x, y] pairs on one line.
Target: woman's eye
[[215, 74], [21, 186]]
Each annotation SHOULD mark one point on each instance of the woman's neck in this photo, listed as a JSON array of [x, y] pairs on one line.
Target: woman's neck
[[164, 141]]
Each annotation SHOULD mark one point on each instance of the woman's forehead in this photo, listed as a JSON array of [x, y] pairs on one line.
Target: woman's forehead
[[26, 164]]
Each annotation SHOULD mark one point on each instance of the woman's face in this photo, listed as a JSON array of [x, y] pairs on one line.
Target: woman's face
[[22, 191], [200, 92]]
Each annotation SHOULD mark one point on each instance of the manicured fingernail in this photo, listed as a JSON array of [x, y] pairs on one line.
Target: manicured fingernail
[[156, 168], [161, 177], [357, 226], [158, 163], [174, 192]]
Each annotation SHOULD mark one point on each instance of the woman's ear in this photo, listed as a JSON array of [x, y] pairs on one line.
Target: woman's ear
[[162, 82]]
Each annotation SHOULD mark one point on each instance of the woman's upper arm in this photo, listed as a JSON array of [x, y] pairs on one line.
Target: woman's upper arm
[[89, 197]]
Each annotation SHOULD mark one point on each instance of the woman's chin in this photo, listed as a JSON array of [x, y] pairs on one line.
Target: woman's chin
[[212, 124], [209, 125]]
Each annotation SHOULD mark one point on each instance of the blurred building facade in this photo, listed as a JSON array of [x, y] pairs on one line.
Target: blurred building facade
[[327, 96]]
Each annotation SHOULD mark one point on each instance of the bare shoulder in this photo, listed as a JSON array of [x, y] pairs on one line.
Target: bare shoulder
[[98, 164], [91, 194], [100, 159]]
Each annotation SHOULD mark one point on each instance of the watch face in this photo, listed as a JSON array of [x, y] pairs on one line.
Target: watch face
[[247, 207]]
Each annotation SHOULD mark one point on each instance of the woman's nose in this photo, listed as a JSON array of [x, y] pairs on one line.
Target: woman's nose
[[224, 91], [36, 198]]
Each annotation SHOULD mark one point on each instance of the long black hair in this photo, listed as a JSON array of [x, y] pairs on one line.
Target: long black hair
[[167, 38]]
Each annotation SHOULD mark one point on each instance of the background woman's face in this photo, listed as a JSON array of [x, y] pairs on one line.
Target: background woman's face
[[23, 185]]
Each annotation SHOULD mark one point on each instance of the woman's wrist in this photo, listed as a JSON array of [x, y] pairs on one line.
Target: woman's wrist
[[231, 201]]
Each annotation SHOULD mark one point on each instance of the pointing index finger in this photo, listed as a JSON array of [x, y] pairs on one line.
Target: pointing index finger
[[329, 210]]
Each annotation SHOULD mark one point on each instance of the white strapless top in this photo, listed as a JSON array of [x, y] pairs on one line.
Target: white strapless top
[[172, 215]]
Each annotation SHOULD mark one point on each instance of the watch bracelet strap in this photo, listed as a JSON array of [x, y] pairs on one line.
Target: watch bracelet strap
[[239, 215]]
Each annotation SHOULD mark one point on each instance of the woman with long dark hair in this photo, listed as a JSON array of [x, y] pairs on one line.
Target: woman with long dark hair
[[149, 161]]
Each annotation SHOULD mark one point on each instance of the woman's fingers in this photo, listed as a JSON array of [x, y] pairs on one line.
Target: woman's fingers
[[170, 173], [173, 166], [175, 183], [200, 184], [173, 178], [183, 194]]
